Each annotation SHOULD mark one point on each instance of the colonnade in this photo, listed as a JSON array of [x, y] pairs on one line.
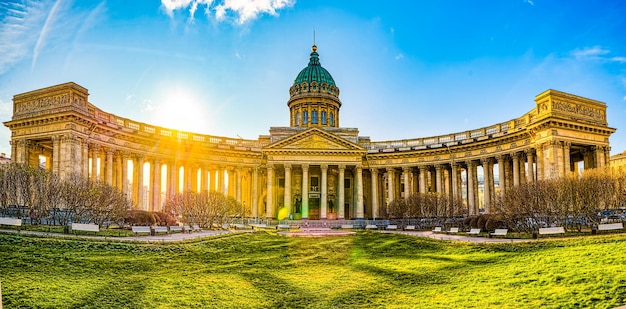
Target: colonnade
[[309, 190]]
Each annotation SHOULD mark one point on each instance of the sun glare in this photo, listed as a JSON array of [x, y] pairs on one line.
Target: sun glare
[[181, 109]]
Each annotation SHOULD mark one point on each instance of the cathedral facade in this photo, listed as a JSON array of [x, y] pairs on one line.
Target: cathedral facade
[[314, 168]]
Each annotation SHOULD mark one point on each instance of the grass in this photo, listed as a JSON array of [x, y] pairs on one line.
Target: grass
[[262, 270]]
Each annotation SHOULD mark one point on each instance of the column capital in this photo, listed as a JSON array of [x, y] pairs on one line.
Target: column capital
[[406, 169], [470, 163], [390, 169], [287, 166], [268, 166], [439, 167], [359, 167], [422, 168], [501, 157], [305, 166], [529, 151], [486, 161], [373, 170], [324, 167], [342, 166]]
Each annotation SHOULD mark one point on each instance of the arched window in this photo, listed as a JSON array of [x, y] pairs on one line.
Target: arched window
[[323, 117], [332, 119], [314, 117], [305, 116], [297, 118]]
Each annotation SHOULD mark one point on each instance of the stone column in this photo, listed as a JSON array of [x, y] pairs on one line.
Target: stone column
[[287, 197], [221, 181], [516, 177], [390, 182], [238, 183], [360, 209], [324, 198], [305, 191], [109, 171], [84, 157], [255, 192], [423, 171], [455, 181], [530, 157], [139, 184], [406, 171], [539, 171], [487, 171], [156, 185], [438, 179], [471, 193], [125, 189], [342, 192], [270, 190], [567, 166], [118, 170], [172, 173], [374, 198], [501, 175], [95, 150], [231, 182], [204, 179]]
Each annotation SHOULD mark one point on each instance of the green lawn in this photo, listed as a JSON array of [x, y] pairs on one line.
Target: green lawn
[[262, 270]]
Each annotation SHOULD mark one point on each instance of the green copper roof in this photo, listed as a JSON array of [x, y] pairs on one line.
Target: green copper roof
[[314, 72]]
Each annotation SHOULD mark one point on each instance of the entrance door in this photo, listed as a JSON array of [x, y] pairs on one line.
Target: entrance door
[[314, 208]]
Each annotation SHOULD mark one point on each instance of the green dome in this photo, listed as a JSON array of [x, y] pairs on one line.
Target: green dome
[[314, 72]]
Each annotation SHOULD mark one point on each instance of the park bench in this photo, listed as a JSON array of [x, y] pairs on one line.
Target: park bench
[[160, 229], [473, 232], [176, 228], [196, 228], [85, 227], [391, 227], [186, 228], [610, 226], [453, 230], [437, 229], [239, 226], [371, 227], [499, 232], [282, 226], [11, 221], [551, 230], [258, 225], [141, 229], [347, 226], [409, 227]]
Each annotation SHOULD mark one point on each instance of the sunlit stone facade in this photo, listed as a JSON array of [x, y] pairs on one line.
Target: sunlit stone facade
[[314, 168]]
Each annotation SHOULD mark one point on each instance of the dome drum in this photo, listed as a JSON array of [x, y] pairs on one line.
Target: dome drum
[[314, 97]]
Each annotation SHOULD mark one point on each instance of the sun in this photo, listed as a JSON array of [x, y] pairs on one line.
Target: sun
[[181, 109]]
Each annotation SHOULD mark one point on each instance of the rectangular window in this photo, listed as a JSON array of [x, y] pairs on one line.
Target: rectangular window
[[346, 183], [281, 182]]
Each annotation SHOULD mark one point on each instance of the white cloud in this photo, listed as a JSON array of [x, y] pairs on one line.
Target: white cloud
[[6, 110], [148, 106], [399, 56], [19, 30], [590, 52], [243, 10], [44, 32], [530, 2], [618, 59]]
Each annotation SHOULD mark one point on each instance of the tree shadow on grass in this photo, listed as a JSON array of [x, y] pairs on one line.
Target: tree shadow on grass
[[116, 293], [279, 293]]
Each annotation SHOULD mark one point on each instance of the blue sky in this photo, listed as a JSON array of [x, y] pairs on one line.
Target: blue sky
[[406, 69]]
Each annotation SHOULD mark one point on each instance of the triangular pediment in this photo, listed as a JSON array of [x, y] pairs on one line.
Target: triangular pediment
[[314, 139]]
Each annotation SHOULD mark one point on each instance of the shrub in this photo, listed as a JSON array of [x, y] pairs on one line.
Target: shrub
[[163, 218], [474, 222], [141, 217], [482, 219]]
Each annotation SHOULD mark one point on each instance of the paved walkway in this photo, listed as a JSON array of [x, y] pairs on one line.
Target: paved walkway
[[149, 239], [175, 237], [429, 234]]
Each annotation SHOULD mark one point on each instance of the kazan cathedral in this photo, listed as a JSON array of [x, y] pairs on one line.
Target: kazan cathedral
[[314, 168]]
